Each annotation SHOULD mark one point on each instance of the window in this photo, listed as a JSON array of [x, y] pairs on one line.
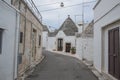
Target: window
[[39, 40], [19, 58], [21, 37], [1, 32]]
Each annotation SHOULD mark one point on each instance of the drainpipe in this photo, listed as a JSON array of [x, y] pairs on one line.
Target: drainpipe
[[16, 50], [82, 29], [24, 32]]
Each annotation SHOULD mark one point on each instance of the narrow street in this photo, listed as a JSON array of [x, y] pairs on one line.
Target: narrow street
[[61, 67]]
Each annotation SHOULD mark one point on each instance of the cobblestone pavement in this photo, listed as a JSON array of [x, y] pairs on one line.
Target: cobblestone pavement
[[60, 67]]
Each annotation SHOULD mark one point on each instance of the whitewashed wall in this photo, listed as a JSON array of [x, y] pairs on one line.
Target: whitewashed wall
[[79, 50], [84, 48], [51, 43], [102, 19], [66, 39], [88, 49], [8, 58], [44, 39]]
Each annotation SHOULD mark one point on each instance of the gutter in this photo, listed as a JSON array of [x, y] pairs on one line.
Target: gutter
[[107, 13], [97, 4], [10, 6]]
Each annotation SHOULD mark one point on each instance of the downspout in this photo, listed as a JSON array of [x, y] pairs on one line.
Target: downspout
[[16, 50], [30, 55], [24, 32]]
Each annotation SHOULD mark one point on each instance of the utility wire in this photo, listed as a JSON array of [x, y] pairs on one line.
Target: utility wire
[[52, 3], [67, 6]]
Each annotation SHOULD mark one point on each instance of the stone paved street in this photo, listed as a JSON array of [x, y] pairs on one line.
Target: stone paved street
[[61, 67]]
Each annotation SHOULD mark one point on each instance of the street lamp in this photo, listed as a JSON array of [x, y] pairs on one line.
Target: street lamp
[[62, 4], [83, 14]]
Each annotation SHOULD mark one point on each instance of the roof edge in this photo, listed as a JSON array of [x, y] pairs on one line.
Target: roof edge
[[97, 4]]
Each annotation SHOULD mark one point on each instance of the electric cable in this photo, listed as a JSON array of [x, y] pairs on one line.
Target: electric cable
[[67, 6], [52, 3]]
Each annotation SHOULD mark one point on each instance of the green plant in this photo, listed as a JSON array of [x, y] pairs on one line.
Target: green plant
[[73, 50]]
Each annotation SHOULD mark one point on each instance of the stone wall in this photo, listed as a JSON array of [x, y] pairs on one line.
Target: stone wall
[[30, 49]]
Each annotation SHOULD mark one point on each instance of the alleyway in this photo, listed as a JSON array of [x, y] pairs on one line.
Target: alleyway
[[60, 67]]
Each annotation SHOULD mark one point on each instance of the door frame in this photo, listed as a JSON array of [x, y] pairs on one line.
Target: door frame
[[34, 31], [66, 44], [113, 73], [61, 44]]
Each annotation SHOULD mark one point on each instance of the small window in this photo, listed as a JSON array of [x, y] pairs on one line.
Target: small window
[[21, 37], [19, 58], [1, 33], [39, 40]]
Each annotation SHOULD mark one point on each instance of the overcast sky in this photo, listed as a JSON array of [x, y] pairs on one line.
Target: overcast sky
[[55, 18]]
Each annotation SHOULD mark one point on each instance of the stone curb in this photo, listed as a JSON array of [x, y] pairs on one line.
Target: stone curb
[[31, 70]]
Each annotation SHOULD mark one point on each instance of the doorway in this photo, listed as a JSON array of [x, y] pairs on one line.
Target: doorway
[[68, 47], [114, 59], [34, 32], [60, 45]]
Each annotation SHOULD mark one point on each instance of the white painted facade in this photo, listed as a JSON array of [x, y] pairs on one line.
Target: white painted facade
[[52, 41], [79, 49], [8, 57], [66, 39], [44, 39], [106, 17], [87, 49], [84, 48], [84, 43]]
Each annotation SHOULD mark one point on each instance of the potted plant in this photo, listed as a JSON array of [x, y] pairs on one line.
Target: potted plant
[[73, 50]]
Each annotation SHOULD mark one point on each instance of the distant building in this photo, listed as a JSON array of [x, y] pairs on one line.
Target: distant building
[[84, 43], [107, 38], [64, 38], [45, 37]]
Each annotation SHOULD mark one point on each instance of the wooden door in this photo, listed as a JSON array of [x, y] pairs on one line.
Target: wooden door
[[60, 44], [68, 47], [114, 59]]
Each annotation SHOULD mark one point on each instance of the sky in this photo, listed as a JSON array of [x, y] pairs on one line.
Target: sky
[[55, 17]]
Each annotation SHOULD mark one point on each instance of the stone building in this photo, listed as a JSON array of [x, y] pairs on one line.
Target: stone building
[[30, 46]]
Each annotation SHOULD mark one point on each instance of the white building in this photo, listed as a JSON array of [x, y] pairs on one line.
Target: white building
[[84, 43], [106, 37], [9, 28], [64, 38], [45, 37]]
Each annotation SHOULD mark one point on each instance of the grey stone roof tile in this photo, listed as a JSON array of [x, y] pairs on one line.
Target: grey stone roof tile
[[68, 27]]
